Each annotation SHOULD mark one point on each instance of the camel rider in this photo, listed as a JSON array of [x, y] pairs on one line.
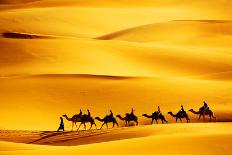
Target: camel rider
[[79, 115], [132, 111], [111, 114], [159, 112], [89, 114], [205, 107], [182, 110]]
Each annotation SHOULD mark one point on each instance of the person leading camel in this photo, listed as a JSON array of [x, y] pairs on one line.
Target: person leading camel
[[61, 127]]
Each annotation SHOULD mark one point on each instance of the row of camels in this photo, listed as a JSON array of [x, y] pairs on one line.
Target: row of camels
[[130, 117]]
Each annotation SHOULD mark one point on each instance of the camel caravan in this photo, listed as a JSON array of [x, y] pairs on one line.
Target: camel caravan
[[131, 117]]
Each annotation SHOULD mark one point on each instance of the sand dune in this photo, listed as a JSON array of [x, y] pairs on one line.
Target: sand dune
[[173, 30], [184, 138], [123, 59], [99, 95], [96, 136], [60, 56]]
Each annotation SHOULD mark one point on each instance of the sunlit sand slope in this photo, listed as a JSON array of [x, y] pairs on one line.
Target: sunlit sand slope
[[185, 138], [59, 56], [111, 58], [49, 96], [173, 31]]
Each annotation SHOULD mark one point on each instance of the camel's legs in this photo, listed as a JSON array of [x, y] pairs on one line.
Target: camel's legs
[[91, 124], [79, 126], [152, 121], [85, 126], [162, 121], [137, 122], [199, 117], [72, 126], [176, 119], [180, 120], [116, 123], [165, 120], [156, 121], [95, 125], [107, 125], [76, 124], [102, 125]]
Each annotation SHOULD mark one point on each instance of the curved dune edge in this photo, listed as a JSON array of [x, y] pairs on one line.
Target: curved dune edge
[[18, 35], [87, 76], [158, 31], [106, 135], [68, 76]]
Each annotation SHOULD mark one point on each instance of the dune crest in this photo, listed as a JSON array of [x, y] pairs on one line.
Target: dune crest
[[85, 76], [172, 30]]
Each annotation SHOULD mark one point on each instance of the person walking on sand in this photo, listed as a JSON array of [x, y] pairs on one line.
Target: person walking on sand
[[61, 127]]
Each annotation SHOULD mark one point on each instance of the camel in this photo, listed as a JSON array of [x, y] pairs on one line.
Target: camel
[[128, 118], [202, 113], [84, 119], [74, 120], [107, 119], [156, 116], [180, 115]]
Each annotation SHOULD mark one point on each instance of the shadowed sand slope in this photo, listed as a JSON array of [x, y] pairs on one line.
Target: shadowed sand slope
[[18, 35], [173, 30], [185, 138], [96, 136]]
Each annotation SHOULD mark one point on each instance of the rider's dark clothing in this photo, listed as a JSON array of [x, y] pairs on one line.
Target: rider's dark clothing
[[89, 114]]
